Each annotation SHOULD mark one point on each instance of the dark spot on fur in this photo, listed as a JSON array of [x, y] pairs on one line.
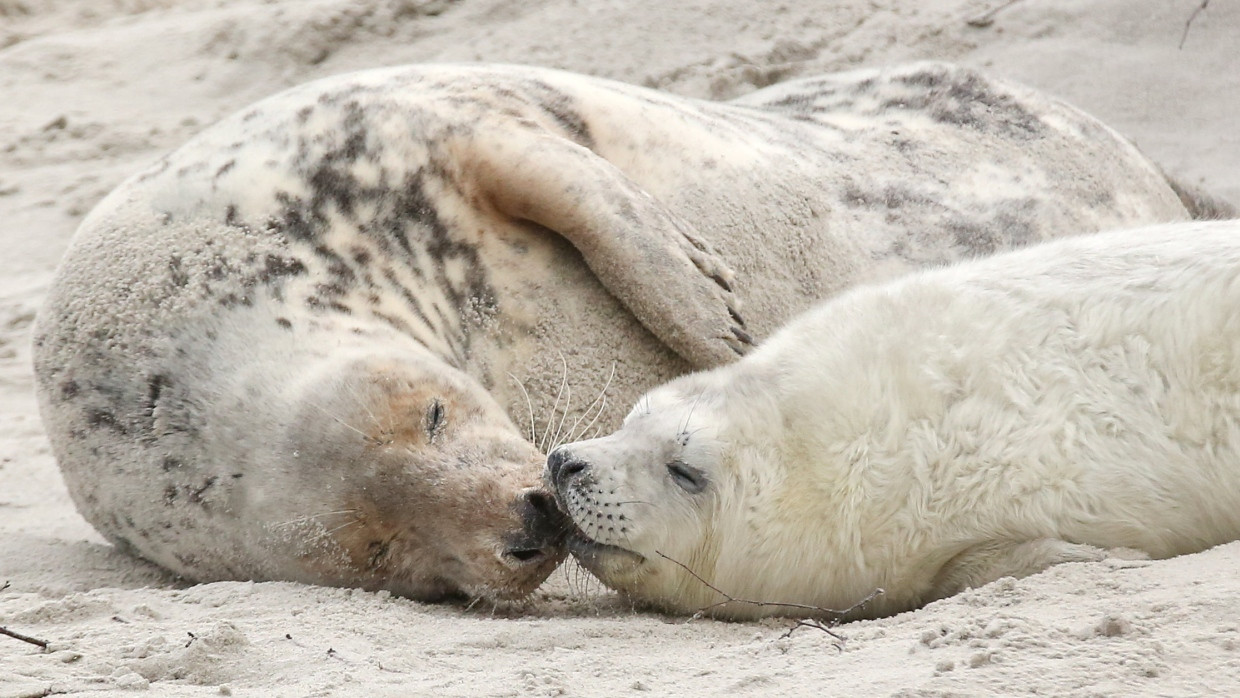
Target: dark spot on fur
[[100, 418], [170, 494], [155, 170], [69, 389], [225, 168], [283, 322], [377, 550], [560, 107], [219, 268], [275, 267], [196, 495], [925, 78], [171, 463], [192, 168], [969, 100], [323, 304], [330, 289], [154, 388], [890, 196], [232, 300], [178, 275], [231, 218], [396, 323], [977, 240]]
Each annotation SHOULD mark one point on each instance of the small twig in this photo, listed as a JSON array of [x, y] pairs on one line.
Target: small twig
[[23, 638], [1189, 23], [806, 623], [6, 586], [988, 18]]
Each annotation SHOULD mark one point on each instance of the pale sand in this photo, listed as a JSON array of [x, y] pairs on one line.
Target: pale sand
[[90, 95]]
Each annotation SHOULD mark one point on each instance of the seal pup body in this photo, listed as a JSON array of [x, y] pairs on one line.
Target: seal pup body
[[936, 433], [284, 350]]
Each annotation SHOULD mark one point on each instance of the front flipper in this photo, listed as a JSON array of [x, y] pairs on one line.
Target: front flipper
[[641, 251], [984, 563]]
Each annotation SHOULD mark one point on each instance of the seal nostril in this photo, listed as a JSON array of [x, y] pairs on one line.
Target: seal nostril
[[542, 503], [555, 460], [572, 467], [525, 554], [562, 465]]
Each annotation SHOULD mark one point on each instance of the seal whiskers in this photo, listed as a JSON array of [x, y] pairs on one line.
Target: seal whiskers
[[528, 403], [547, 435], [599, 405]]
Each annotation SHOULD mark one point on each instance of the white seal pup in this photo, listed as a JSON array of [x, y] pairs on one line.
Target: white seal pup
[[283, 351], [936, 433]]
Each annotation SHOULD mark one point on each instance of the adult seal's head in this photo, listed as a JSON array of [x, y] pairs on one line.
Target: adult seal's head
[[365, 461], [422, 481]]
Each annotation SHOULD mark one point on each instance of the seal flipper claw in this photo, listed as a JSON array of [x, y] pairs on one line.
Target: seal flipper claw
[[640, 250]]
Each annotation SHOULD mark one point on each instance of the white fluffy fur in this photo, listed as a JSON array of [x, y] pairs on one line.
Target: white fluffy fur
[[939, 432]]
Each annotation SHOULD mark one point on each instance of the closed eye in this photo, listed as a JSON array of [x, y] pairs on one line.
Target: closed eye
[[434, 418], [687, 477]]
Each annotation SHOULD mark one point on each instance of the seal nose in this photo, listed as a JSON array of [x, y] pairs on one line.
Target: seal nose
[[561, 466], [543, 529]]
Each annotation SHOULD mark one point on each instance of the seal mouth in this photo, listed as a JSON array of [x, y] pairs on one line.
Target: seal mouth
[[587, 549], [605, 561]]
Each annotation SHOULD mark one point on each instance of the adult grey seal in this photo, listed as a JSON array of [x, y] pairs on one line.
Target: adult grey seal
[[936, 433], [284, 350]]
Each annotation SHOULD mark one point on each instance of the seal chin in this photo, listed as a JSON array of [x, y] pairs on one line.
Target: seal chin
[[607, 562]]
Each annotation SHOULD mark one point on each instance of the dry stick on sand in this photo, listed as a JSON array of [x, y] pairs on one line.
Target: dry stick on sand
[[987, 18], [804, 623], [23, 638], [17, 635], [1189, 23]]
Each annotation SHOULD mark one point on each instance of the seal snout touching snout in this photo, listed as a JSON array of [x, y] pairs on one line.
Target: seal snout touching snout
[[544, 527], [563, 467], [1064, 403]]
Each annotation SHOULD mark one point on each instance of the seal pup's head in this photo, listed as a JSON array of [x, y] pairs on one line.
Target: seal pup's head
[[651, 505], [428, 489]]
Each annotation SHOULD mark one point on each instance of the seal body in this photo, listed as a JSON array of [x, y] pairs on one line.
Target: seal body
[[936, 433], [294, 348]]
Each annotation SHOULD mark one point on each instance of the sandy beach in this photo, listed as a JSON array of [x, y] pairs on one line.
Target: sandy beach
[[91, 92]]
